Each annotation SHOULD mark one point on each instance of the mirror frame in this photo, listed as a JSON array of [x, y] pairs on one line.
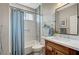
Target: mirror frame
[[77, 18]]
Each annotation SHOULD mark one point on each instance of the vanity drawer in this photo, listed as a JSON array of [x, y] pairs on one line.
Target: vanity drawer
[[58, 53], [58, 47]]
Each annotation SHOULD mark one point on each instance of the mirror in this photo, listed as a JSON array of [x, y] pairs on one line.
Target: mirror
[[66, 19]]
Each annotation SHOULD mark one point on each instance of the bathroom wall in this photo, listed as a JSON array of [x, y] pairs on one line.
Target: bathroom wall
[[48, 11], [48, 17], [4, 21]]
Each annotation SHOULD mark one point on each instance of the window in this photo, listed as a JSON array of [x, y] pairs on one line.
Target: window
[[28, 16]]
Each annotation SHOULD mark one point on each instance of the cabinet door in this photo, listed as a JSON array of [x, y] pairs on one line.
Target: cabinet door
[[48, 50], [58, 53], [53, 51]]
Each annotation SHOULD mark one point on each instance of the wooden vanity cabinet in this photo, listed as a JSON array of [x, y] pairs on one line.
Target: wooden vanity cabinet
[[52, 48]]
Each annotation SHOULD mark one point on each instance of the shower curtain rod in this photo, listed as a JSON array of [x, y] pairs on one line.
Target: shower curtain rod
[[23, 10]]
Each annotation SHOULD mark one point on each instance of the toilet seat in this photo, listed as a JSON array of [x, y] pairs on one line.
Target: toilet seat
[[37, 48]]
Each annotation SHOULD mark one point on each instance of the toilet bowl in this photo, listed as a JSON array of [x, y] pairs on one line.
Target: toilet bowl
[[37, 49]]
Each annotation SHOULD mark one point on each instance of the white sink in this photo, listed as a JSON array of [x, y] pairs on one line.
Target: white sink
[[61, 39]]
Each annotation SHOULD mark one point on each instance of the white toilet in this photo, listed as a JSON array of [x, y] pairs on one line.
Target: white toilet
[[37, 48]]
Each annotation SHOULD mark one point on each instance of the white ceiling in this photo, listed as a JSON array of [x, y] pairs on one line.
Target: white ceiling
[[31, 5]]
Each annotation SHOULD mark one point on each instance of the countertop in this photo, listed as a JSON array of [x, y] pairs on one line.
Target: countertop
[[70, 43]]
